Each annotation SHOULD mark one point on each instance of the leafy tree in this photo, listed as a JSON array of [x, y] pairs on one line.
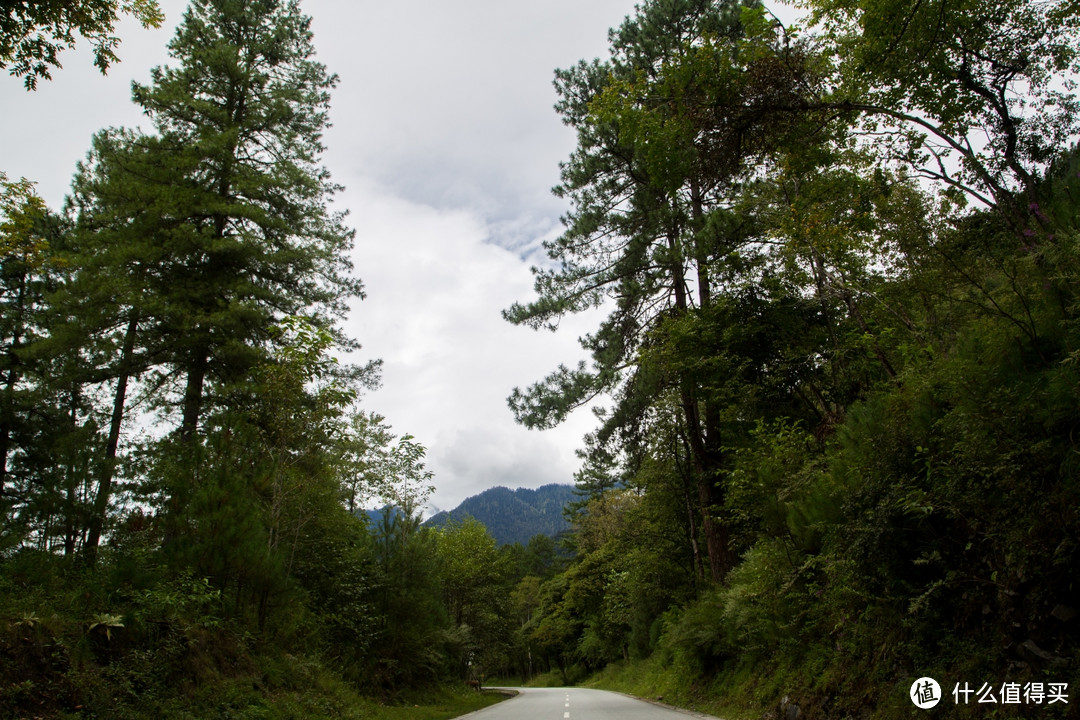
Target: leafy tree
[[696, 93], [23, 251], [366, 460], [542, 556], [408, 481], [32, 34], [472, 567], [979, 92], [45, 418], [475, 590]]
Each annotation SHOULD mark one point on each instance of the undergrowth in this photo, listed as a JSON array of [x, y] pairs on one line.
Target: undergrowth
[[80, 644]]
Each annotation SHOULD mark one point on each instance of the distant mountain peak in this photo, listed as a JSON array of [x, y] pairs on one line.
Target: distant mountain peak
[[514, 515]]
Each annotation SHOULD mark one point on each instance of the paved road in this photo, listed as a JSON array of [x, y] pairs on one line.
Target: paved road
[[575, 704]]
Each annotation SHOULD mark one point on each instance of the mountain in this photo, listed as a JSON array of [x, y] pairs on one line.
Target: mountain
[[514, 515]]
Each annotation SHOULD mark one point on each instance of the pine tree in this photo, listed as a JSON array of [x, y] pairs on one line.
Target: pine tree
[[243, 113], [195, 242], [689, 102], [26, 274], [111, 307]]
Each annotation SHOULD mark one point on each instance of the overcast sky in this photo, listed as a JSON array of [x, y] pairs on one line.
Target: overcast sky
[[446, 142]]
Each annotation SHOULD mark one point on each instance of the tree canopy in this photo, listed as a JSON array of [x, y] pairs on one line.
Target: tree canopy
[[835, 266], [33, 34]]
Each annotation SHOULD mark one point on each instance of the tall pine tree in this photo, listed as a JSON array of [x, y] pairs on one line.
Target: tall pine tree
[[196, 241], [243, 112], [696, 92]]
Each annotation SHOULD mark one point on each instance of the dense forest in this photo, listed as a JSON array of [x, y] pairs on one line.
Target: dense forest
[[839, 265], [838, 382], [514, 516]]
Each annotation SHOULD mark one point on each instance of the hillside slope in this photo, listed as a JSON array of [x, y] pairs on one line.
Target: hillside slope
[[514, 515]]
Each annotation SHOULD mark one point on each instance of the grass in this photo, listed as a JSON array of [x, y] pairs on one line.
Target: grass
[[327, 701], [451, 705], [662, 681]]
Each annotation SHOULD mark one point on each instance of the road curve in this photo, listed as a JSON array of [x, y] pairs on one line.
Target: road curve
[[576, 704]]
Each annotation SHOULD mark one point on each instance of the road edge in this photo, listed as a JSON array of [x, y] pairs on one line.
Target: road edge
[[661, 703], [508, 692]]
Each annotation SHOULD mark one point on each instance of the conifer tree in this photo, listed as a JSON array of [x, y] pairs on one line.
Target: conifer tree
[[25, 276], [695, 93], [195, 242], [110, 309], [242, 115]]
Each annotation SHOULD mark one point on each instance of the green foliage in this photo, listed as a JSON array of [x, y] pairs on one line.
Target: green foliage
[[410, 639], [840, 450], [219, 568], [32, 35], [979, 94], [476, 594], [853, 390], [46, 420]]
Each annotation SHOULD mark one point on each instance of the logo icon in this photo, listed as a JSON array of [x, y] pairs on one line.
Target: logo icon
[[925, 693]]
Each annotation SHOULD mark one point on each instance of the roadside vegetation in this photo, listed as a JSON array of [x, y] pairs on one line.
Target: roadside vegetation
[[184, 462], [839, 266]]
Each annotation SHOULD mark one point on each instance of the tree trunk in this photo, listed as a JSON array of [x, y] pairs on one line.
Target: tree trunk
[[698, 565], [191, 410], [716, 536], [193, 395], [108, 467], [707, 448], [716, 533], [7, 412]]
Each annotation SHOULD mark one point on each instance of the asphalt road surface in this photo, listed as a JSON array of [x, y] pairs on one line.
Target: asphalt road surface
[[576, 704]]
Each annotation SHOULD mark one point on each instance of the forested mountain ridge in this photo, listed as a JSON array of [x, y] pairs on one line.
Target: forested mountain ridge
[[514, 516]]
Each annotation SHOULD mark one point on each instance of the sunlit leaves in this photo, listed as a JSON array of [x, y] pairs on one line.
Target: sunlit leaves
[[21, 214]]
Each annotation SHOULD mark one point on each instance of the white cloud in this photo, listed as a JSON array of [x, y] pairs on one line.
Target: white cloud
[[436, 286], [451, 103]]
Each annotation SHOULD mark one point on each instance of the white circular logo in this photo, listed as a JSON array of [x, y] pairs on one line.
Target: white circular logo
[[925, 693]]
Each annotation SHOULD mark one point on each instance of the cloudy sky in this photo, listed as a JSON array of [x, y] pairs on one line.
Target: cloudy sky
[[446, 142]]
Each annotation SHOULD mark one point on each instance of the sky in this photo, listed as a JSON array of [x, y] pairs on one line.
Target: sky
[[446, 142]]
